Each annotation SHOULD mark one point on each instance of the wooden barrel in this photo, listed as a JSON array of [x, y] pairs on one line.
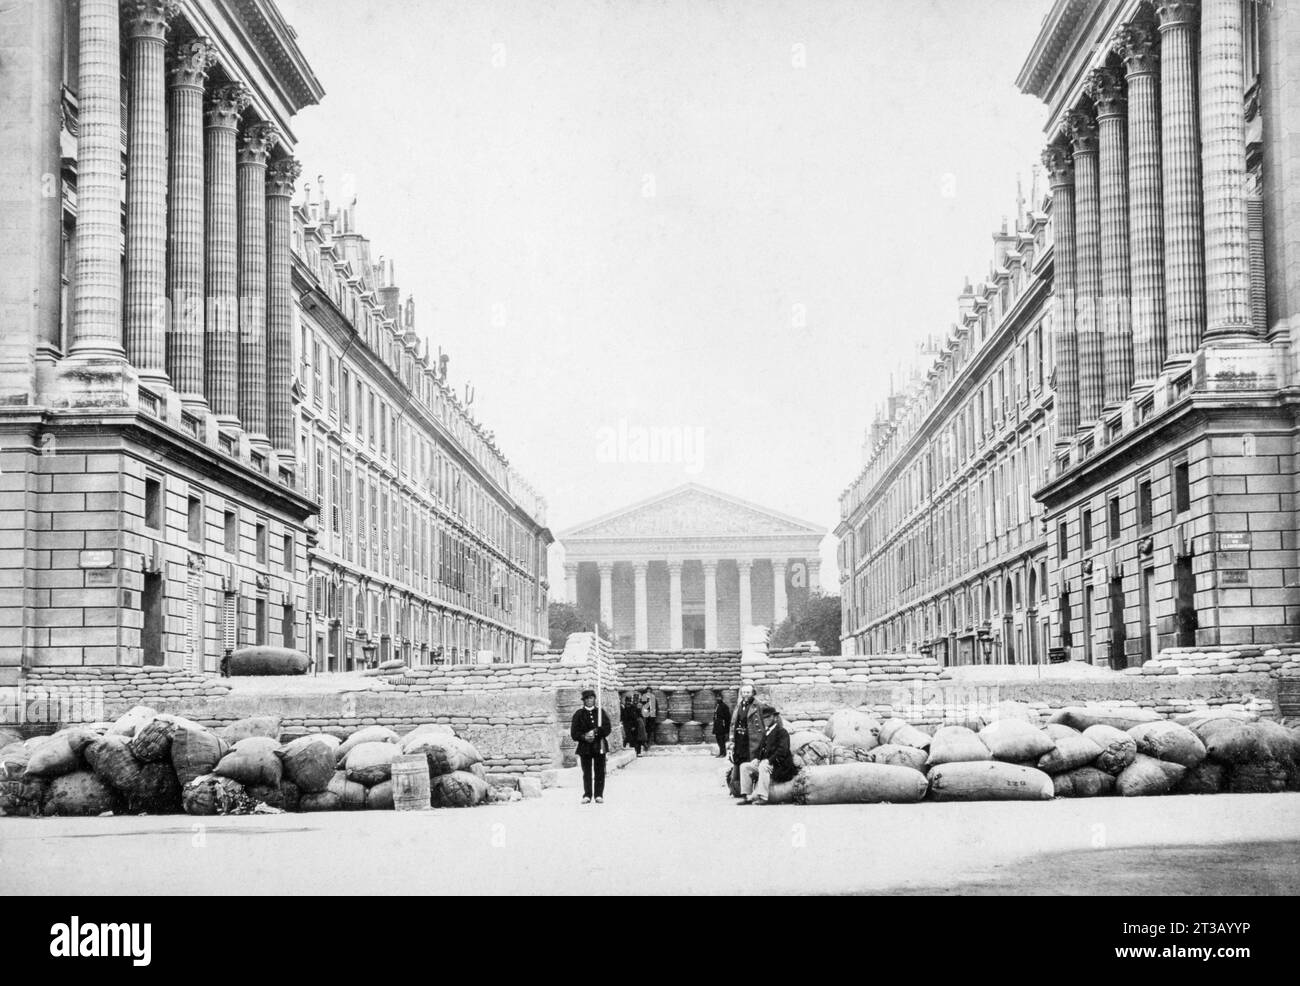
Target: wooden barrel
[[411, 782], [661, 700], [679, 706], [691, 732], [666, 732], [703, 704]]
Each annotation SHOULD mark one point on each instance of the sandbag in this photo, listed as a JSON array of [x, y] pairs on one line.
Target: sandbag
[[479, 771], [22, 795], [126, 723], [1118, 748], [900, 733], [1083, 782], [1015, 740], [321, 801], [391, 665], [351, 795], [1194, 720], [989, 780], [896, 755], [1246, 742], [195, 751], [79, 793], [853, 754], [1147, 776], [371, 763], [1058, 730], [263, 660], [1120, 717], [458, 789], [810, 748], [446, 754], [956, 744], [155, 790], [213, 795], [152, 741], [1207, 777], [851, 728], [380, 797], [252, 762], [1020, 711], [14, 759], [1069, 753], [252, 726], [271, 795], [425, 729], [59, 754], [851, 783], [366, 734], [1169, 741], [1257, 777], [310, 761]]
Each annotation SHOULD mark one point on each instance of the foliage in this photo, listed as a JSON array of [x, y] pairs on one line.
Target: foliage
[[818, 619], [565, 619]]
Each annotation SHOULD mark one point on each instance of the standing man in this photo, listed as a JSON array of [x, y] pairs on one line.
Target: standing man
[[721, 723], [650, 713], [589, 728], [775, 764], [748, 737]]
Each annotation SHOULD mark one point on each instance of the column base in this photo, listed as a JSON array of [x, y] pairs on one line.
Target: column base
[[95, 381], [1236, 364], [259, 443], [195, 404]]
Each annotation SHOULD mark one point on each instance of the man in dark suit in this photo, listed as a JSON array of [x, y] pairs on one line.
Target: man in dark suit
[[589, 728], [748, 737], [775, 763], [721, 724]]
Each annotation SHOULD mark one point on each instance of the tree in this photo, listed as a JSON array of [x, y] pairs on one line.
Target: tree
[[819, 620], [565, 619]]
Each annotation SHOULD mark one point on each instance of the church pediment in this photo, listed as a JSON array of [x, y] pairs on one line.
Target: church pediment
[[692, 512]]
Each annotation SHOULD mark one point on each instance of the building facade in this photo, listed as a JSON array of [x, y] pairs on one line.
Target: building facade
[[690, 568]]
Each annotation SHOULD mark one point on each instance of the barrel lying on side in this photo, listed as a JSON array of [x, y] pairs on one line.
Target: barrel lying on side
[[990, 780]]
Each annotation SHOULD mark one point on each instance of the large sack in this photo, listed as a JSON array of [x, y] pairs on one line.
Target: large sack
[[1245, 742], [195, 751], [1121, 717], [213, 795], [1257, 777], [252, 762], [366, 734], [1015, 741], [1118, 748], [1020, 711], [901, 733], [849, 727], [1169, 741], [1147, 776], [274, 795], [1194, 720], [425, 729], [445, 754], [380, 797], [144, 787], [59, 754], [242, 729], [81, 793], [351, 795], [956, 744], [321, 801], [127, 723], [267, 661], [898, 756], [152, 741], [1083, 782], [22, 795], [852, 784], [853, 754], [1207, 777], [14, 759], [1058, 730], [810, 748], [458, 789], [990, 780], [310, 761], [371, 763], [1069, 753]]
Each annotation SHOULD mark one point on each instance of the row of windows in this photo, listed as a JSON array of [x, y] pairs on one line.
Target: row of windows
[[1109, 524], [196, 522]]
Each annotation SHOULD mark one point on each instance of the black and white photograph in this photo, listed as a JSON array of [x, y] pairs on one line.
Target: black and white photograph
[[670, 448]]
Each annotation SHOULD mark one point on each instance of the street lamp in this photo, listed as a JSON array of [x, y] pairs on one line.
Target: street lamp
[[926, 648], [985, 636]]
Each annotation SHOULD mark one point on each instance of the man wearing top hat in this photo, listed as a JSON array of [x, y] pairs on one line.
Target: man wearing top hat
[[589, 728]]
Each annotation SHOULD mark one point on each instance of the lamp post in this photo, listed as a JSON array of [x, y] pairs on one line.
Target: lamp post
[[985, 636]]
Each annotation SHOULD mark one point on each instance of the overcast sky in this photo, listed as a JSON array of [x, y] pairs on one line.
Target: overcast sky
[[718, 222]]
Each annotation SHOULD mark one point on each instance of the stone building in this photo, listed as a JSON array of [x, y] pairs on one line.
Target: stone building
[[690, 568]]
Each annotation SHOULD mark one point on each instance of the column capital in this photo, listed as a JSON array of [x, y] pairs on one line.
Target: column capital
[[639, 567], [675, 565], [149, 19], [779, 564], [281, 175], [1106, 87], [710, 565], [1177, 13], [190, 63], [605, 567], [1082, 128], [745, 564], [225, 105], [1060, 166], [1138, 44], [257, 142], [570, 568]]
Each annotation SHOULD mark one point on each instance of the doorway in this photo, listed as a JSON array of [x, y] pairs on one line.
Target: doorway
[[151, 602], [1118, 629], [1185, 601], [1149, 640], [1087, 624]]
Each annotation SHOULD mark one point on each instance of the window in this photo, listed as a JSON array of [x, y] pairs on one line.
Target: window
[[1144, 505], [195, 517], [332, 381], [345, 389], [288, 549], [230, 522], [1112, 519], [260, 620], [153, 503], [1085, 529], [317, 390], [1182, 488], [260, 540]]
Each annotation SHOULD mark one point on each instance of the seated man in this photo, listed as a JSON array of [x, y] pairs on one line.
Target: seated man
[[774, 763]]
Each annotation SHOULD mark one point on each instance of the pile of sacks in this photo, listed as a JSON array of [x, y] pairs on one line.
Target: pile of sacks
[[157, 763], [1081, 752]]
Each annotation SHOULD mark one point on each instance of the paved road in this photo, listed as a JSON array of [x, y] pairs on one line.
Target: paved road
[[668, 827]]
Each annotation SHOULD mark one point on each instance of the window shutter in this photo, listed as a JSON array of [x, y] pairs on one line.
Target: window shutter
[[1255, 242]]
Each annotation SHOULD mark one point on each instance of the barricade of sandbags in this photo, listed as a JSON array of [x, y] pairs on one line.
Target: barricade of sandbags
[[1071, 750], [956, 744], [1015, 741]]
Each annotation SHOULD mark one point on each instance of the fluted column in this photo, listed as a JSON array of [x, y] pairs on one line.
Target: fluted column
[[189, 72], [1180, 159], [145, 314], [254, 150], [675, 605], [1060, 172], [280, 178], [607, 595], [1106, 87], [221, 339], [711, 604], [1223, 151], [745, 567], [571, 584], [780, 608], [1087, 219], [641, 629], [1138, 45]]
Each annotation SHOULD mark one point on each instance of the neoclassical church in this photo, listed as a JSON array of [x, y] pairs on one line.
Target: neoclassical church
[[690, 568]]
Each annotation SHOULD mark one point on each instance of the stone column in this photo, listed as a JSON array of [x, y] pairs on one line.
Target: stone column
[[571, 584], [711, 604], [221, 341], [1223, 152], [1137, 43], [780, 608], [254, 150], [1180, 160], [1106, 87], [185, 221], [641, 627], [744, 566], [1280, 118], [279, 305], [145, 315], [1060, 171], [1087, 216], [607, 595], [675, 604]]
